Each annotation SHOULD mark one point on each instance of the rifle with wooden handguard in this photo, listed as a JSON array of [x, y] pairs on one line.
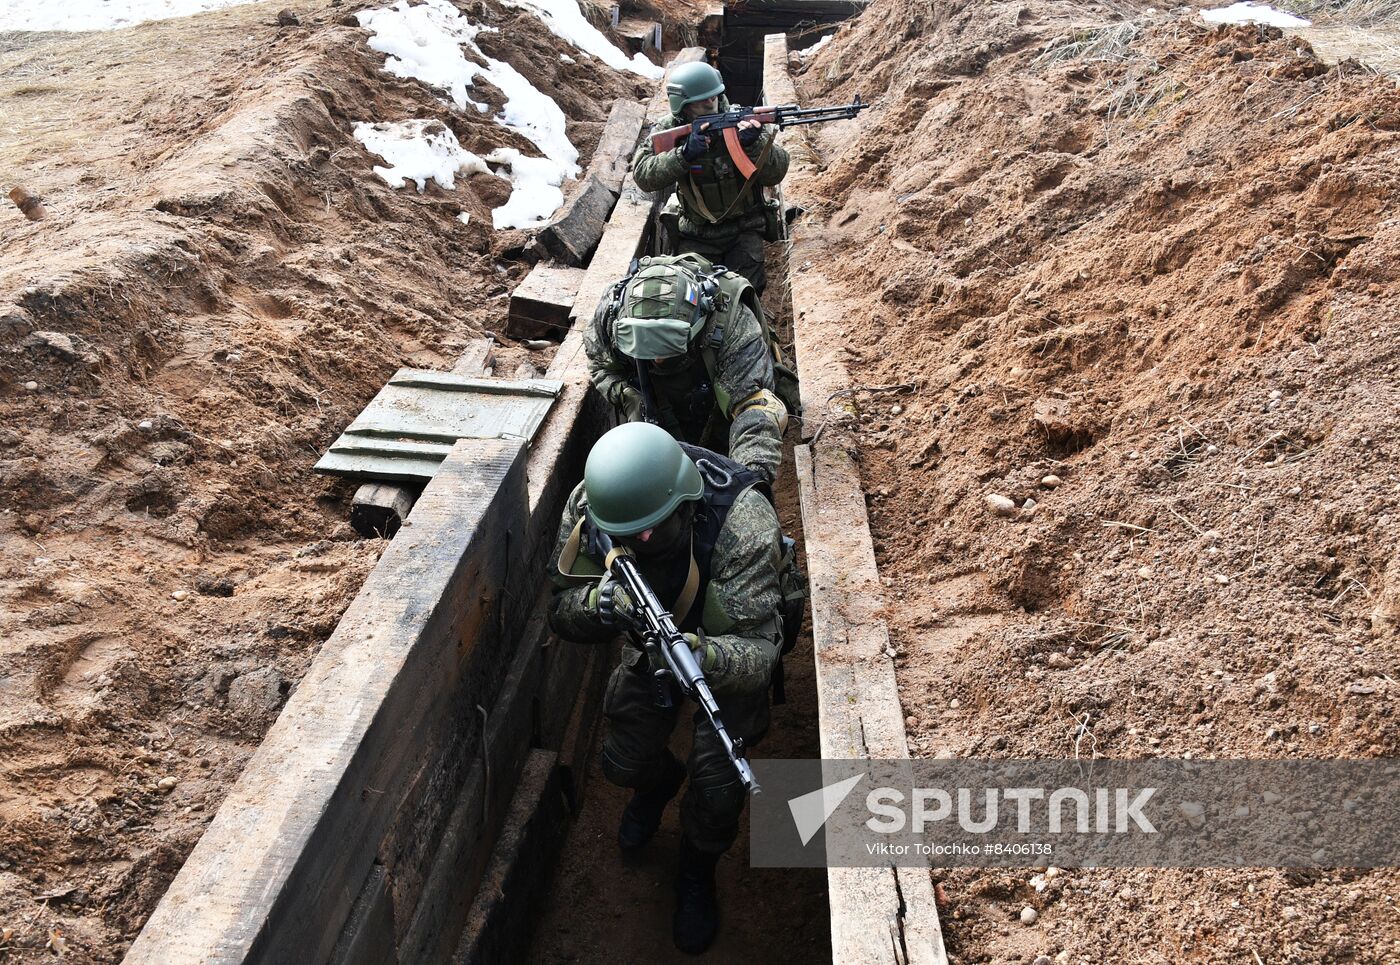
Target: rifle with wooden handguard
[[727, 122]]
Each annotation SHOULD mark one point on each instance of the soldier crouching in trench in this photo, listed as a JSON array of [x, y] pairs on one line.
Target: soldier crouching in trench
[[705, 536]]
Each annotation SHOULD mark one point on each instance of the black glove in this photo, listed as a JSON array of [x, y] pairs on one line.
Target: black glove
[[749, 136], [614, 606], [695, 145]]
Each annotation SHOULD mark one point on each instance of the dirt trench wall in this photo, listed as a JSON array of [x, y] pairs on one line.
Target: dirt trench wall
[[220, 286], [1134, 276]]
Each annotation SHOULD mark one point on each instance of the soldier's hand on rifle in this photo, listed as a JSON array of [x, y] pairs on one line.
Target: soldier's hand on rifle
[[749, 131], [695, 145], [704, 652], [612, 605], [631, 404]]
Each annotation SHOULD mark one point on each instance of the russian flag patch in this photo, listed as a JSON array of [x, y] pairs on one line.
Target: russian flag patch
[[691, 295]]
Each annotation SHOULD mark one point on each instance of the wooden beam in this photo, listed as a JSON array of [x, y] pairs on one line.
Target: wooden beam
[[368, 936], [476, 359], [499, 923], [460, 853], [877, 914], [575, 230], [274, 877], [379, 509], [570, 238], [613, 155], [539, 306]]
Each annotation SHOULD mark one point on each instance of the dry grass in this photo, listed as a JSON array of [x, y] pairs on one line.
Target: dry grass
[[1347, 13], [1110, 43]]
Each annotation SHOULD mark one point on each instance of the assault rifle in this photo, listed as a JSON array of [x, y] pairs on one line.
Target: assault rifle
[[661, 638], [789, 115]]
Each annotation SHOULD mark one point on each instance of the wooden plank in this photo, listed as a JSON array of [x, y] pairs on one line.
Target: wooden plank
[[475, 361], [570, 704], [274, 877], [379, 509], [620, 244], [499, 921], [368, 937], [778, 88], [877, 914], [575, 230], [461, 851], [613, 155], [539, 306]]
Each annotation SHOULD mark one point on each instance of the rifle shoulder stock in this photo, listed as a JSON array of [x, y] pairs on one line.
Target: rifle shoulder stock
[[668, 139]]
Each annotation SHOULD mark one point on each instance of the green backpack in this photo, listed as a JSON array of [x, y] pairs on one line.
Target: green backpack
[[733, 292]]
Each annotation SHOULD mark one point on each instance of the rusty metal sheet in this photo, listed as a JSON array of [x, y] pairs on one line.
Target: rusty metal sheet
[[409, 427]]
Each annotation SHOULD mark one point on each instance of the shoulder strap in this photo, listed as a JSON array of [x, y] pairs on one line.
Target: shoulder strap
[[692, 193], [725, 481]]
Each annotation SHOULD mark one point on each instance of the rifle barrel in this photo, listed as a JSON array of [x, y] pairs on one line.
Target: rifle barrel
[[680, 662]]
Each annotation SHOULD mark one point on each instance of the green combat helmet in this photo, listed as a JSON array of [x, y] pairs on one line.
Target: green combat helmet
[[664, 308], [690, 83], [635, 477]]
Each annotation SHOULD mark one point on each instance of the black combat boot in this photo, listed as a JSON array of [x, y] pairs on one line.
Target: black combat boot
[[642, 816], [696, 921]]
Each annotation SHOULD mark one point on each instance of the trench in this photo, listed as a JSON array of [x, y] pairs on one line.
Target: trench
[[431, 792], [600, 908]]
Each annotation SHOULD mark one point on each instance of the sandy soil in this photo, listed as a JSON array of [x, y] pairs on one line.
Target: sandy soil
[[1156, 262], [220, 286]]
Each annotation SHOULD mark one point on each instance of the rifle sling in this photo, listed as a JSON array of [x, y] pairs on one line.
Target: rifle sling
[[692, 193]]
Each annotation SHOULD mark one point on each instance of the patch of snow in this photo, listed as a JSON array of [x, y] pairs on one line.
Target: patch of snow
[[76, 15], [534, 114], [426, 42], [811, 51], [566, 21], [1253, 13], [418, 151], [566, 59], [536, 194], [465, 217]]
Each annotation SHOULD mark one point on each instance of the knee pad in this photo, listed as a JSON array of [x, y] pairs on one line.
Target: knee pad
[[623, 771]]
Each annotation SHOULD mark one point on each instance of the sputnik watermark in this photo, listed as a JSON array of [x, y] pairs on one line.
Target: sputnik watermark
[[1105, 813], [1112, 812]]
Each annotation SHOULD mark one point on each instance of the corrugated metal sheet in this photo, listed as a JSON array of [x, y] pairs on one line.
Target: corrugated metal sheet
[[407, 429]]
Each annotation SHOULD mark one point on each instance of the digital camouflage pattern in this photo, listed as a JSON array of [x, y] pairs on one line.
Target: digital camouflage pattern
[[713, 178], [738, 613], [744, 365]]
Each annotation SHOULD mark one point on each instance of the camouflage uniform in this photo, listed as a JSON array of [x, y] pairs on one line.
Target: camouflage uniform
[[738, 614], [734, 240], [744, 366]]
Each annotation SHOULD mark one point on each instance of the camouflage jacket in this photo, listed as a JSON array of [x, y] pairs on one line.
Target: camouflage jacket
[[743, 366], [711, 180], [738, 611]]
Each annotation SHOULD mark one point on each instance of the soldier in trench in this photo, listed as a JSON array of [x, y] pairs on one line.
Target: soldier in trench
[[723, 216], [706, 537], [685, 345]]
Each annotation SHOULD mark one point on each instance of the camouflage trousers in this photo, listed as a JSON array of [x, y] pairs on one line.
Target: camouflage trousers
[[743, 254], [635, 750]]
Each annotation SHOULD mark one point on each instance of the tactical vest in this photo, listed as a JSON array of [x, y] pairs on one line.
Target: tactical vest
[[725, 480], [713, 191]]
